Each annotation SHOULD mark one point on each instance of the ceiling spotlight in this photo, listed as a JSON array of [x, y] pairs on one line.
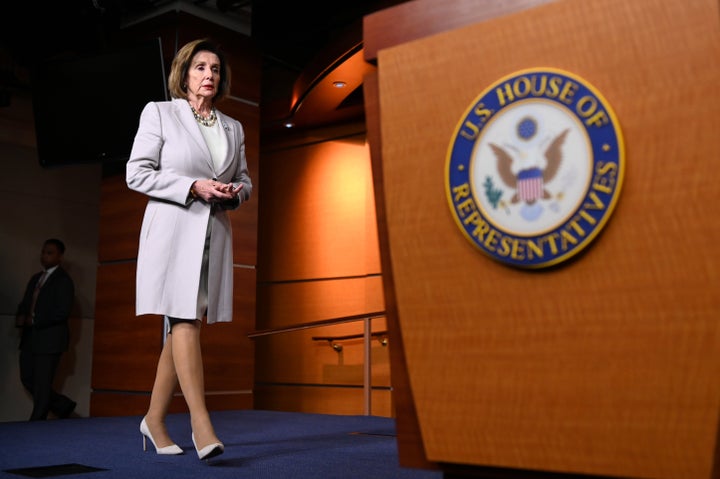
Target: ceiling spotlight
[[339, 84], [289, 124]]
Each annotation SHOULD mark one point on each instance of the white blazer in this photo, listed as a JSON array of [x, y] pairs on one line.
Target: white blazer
[[168, 154]]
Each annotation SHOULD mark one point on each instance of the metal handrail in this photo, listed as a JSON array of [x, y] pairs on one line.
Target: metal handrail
[[367, 335], [315, 324]]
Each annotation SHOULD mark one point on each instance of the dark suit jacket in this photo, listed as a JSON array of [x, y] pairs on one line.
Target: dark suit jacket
[[49, 332]]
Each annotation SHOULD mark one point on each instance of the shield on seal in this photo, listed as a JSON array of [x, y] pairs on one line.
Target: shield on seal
[[530, 185]]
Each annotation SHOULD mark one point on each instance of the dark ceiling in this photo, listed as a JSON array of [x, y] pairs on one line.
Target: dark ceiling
[[292, 36]]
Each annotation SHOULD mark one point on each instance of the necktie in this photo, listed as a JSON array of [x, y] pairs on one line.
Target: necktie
[[36, 292]]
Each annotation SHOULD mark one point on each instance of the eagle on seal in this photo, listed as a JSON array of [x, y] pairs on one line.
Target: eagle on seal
[[527, 171]]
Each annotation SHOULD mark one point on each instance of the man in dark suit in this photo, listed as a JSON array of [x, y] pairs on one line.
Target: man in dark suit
[[43, 316]]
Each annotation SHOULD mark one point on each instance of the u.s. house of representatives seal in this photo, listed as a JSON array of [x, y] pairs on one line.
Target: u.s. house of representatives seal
[[535, 168]]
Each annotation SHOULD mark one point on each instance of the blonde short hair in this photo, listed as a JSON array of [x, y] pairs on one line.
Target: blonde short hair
[[181, 65]]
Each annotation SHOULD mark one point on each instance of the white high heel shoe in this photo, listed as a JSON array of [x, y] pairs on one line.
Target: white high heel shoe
[[172, 449], [211, 450]]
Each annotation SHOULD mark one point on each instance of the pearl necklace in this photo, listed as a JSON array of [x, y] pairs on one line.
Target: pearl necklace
[[209, 121]]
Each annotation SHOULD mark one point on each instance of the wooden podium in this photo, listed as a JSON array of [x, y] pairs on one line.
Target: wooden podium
[[607, 365]]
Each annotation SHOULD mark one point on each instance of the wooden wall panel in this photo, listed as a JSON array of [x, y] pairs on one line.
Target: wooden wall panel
[[318, 201], [119, 403], [229, 401], [294, 357], [104, 404], [121, 212], [228, 353], [286, 304], [125, 347], [318, 400], [244, 220], [318, 260]]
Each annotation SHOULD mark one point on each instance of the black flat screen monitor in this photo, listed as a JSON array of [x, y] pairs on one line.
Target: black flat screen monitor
[[87, 108]]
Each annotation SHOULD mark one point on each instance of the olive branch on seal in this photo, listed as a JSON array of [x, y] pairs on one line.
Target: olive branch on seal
[[493, 194]]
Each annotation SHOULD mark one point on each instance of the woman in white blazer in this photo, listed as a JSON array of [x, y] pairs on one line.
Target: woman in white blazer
[[189, 159]]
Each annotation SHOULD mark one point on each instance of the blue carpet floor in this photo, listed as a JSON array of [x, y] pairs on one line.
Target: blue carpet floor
[[258, 445]]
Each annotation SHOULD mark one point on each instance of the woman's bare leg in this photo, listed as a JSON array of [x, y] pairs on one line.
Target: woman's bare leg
[[187, 358], [166, 382]]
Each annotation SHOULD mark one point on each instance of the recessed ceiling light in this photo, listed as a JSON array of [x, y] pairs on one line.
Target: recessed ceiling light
[[339, 84]]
